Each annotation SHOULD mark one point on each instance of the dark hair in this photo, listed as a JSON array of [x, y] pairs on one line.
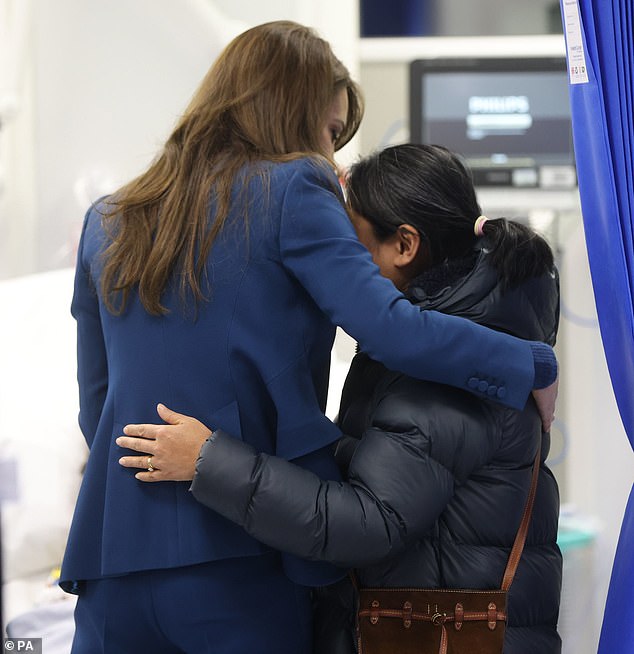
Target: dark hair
[[430, 188], [266, 97]]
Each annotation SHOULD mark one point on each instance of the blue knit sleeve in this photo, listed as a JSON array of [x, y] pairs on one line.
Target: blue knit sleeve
[[545, 364]]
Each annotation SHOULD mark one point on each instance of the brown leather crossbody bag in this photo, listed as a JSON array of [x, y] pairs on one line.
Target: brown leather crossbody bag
[[439, 620]]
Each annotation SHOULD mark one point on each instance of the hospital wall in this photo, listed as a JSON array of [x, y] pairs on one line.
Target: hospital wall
[[97, 88]]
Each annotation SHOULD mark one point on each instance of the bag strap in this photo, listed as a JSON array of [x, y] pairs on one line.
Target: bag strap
[[520, 537]]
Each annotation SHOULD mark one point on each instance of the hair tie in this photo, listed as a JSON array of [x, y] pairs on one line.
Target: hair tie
[[478, 226]]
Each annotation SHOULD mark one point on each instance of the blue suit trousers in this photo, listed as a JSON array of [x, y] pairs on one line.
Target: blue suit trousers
[[244, 605]]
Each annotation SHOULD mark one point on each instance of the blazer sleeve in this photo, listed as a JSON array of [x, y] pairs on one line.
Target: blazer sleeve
[[349, 524], [319, 247], [92, 367]]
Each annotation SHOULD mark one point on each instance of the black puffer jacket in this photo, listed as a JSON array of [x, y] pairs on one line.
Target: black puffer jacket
[[437, 481]]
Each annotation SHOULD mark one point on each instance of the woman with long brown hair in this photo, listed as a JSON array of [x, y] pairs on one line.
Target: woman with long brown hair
[[213, 282]]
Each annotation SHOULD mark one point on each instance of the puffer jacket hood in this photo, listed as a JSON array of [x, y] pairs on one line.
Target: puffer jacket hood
[[529, 311]]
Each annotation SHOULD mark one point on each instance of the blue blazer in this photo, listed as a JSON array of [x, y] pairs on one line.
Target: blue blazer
[[253, 359]]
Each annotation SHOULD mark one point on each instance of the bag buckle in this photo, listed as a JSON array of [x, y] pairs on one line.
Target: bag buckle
[[438, 618]]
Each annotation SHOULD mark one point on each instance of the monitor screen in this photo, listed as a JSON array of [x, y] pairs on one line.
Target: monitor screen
[[509, 117]]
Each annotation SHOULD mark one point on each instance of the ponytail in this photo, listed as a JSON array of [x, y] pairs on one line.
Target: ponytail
[[517, 252]]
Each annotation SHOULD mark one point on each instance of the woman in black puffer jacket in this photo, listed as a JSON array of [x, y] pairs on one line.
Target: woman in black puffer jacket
[[437, 478]]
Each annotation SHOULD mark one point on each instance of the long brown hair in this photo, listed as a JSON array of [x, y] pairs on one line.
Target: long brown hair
[[265, 98]]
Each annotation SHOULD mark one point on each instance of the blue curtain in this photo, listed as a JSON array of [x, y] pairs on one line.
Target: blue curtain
[[599, 39]]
